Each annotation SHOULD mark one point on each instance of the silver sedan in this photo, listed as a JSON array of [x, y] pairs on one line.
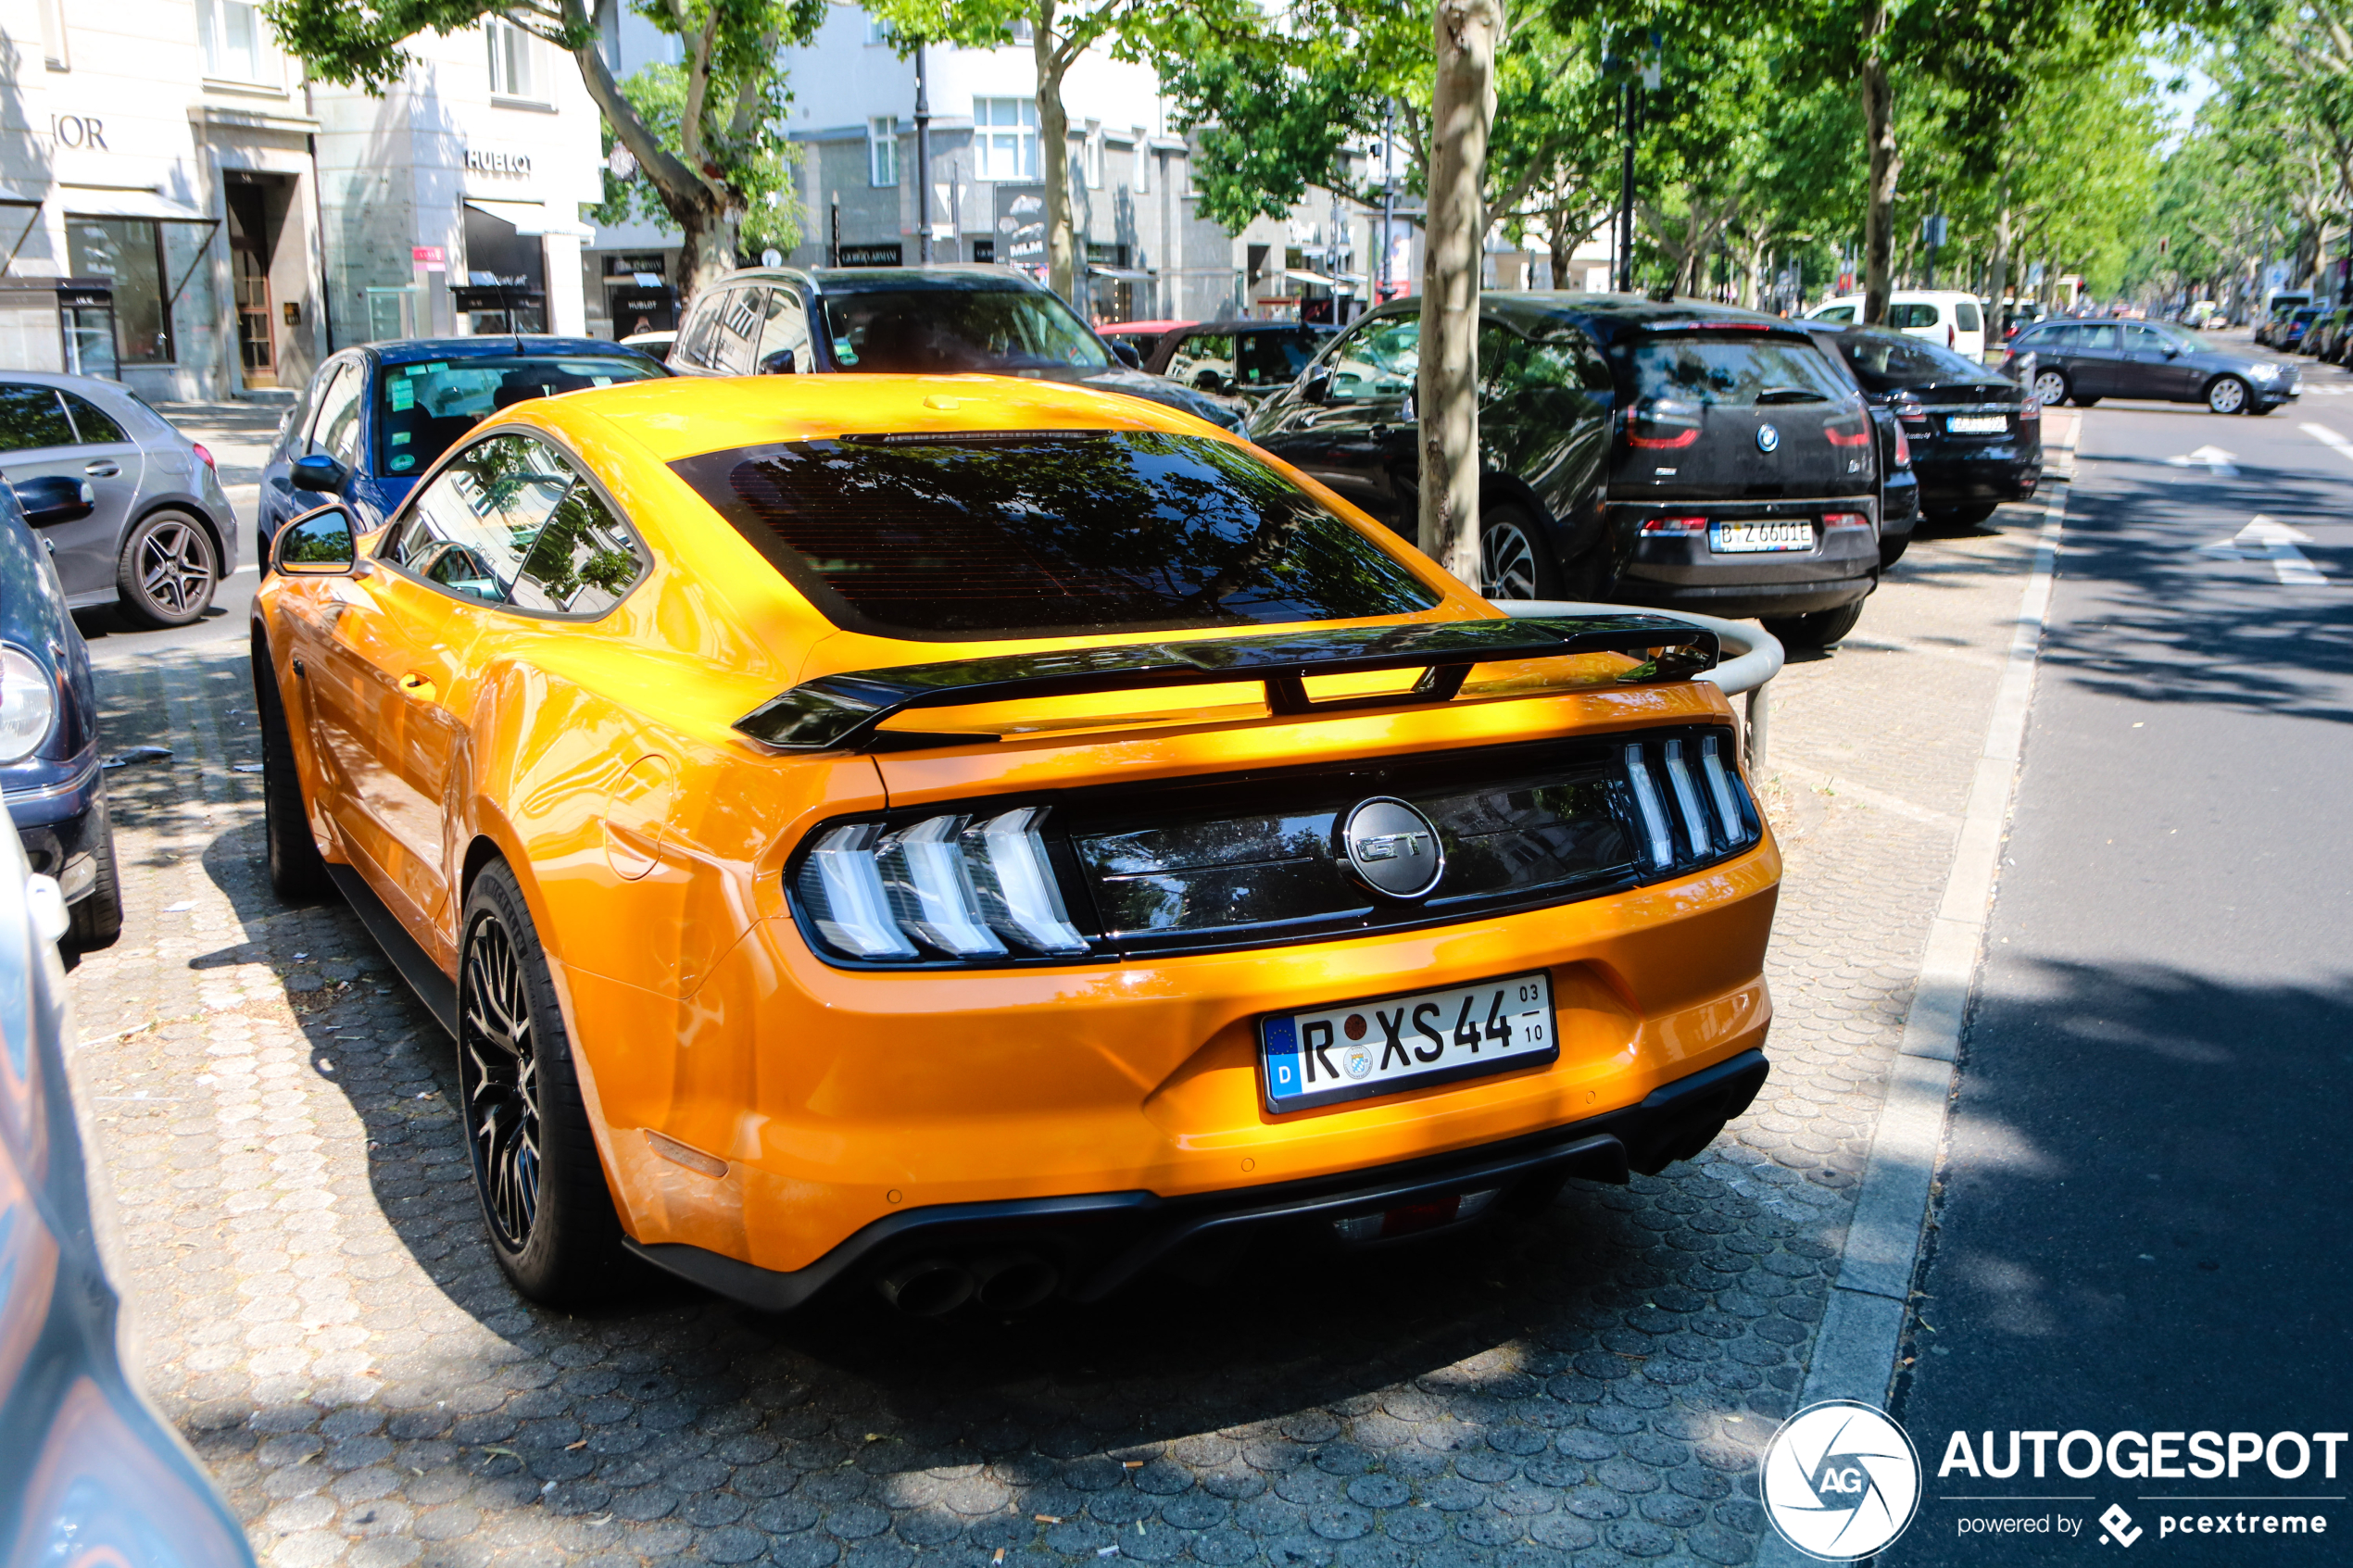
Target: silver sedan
[[162, 535]]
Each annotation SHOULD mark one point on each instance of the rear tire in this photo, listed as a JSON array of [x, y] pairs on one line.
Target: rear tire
[[544, 1197], [297, 871], [168, 570], [1515, 562], [1820, 630], [95, 920]]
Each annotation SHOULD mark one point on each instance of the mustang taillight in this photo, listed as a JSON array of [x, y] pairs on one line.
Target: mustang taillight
[[1707, 804], [1832, 521], [966, 889]]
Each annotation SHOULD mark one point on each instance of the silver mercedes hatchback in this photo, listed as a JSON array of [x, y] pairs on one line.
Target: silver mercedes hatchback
[[161, 535]]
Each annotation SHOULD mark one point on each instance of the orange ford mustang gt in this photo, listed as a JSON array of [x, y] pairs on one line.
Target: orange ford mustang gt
[[992, 838]]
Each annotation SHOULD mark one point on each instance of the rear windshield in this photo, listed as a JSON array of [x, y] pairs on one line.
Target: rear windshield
[[1735, 369], [933, 330], [988, 534], [422, 409], [1886, 361]]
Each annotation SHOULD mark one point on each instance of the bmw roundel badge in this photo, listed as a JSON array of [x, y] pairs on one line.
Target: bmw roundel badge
[[1767, 438]]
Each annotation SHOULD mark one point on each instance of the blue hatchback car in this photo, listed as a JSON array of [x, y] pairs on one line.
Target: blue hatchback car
[[374, 418], [49, 770]]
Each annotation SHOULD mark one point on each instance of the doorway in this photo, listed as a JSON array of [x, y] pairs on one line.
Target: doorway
[[257, 209]]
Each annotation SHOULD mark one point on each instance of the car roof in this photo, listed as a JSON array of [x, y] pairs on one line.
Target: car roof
[[1124, 328], [686, 416], [1610, 316], [70, 383], [966, 277], [407, 351]]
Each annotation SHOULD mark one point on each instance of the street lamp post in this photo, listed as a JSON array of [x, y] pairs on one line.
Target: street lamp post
[[923, 162]]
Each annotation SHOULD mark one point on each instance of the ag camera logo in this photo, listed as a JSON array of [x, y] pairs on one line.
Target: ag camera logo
[[1839, 1481]]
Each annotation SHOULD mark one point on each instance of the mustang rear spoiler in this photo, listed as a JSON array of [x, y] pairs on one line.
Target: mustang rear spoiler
[[847, 711]]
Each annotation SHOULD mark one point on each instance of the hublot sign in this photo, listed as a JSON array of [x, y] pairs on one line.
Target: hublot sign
[[481, 162]]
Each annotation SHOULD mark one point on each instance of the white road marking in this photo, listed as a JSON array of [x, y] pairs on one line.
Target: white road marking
[[2328, 437], [2265, 537], [2212, 458]]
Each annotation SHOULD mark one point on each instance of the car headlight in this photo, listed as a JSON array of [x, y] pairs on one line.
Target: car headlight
[[2265, 372], [28, 705]]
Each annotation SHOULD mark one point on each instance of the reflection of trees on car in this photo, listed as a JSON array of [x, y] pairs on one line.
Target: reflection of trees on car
[[1089, 531]]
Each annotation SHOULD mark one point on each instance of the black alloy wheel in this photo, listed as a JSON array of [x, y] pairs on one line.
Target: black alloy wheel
[[536, 1171], [498, 1082], [1514, 560], [166, 573], [297, 871]]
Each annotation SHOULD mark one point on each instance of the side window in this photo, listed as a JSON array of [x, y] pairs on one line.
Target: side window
[[2143, 340], [1380, 360], [1274, 358], [1911, 316], [2101, 339], [701, 332], [1842, 314], [584, 558], [471, 528], [786, 328], [739, 324], [1966, 315], [510, 520], [32, 418], [1565, 362], [93, 424], [336, 425], [1203, 359]]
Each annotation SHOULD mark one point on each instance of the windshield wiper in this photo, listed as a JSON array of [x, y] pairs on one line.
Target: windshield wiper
[[1790, 395]]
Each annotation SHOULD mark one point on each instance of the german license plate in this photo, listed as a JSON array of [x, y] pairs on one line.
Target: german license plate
[[1755, 539], [1977, 424], [1386, 1044]]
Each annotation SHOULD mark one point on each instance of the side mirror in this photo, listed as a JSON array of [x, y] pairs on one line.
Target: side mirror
[[1315, 386], [320, 542], [55, 498], [781, 362], [319, 473], [1125, 352]]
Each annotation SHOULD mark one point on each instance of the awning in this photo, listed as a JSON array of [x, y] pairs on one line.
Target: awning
[[91, 201], [531, 218], [1130, 273], [16, 198], [1319, 279]]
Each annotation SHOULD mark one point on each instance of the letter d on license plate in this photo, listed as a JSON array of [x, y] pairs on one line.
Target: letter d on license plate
[[1387, 1043]]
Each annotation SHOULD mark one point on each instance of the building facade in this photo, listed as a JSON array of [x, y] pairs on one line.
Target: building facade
[[1149, 252], [181, 212]]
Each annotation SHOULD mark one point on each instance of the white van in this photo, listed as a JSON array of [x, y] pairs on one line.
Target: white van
[[1953, 319]]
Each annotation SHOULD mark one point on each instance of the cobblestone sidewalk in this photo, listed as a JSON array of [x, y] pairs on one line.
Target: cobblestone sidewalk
[[322, 1316]]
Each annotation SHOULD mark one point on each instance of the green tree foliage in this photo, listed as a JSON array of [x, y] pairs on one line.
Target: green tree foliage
[[705, 139]]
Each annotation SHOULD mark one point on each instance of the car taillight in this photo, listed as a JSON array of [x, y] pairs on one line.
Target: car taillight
[[1674, 526], [966, 889], [1834, 521], [2031, 409], [1655, 442], [207, 456], [1903, 448], [1840, 437]]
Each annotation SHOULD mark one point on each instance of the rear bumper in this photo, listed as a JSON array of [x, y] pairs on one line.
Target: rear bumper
[[57, 817], [1737, 601], [1097, 1242], [2006, 471]]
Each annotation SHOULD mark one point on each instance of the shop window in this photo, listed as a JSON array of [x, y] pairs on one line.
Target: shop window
[[236, 42], [513, 60], [1143, 156], [53, 35], [877, 30], [1024, 31], [882, 150], [1005, 132], [128, 253]]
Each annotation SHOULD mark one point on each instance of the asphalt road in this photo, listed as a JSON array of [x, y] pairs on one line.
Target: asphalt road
[[2138, 1229]]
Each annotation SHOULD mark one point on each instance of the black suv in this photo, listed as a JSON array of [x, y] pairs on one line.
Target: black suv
[[923, 320], [1682, 455]]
